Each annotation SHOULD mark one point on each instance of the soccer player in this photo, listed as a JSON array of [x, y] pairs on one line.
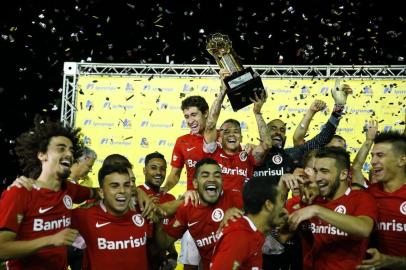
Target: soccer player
[[35, 224], [155, 172], [236, 165], [115, 236], [389, 170], [187, 151], [202, 220], [342, 225], [240, 244], [279, 161]]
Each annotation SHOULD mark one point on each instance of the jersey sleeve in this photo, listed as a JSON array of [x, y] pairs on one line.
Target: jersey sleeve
[[12, 208], [230, 252], [178, 225], [178, 159], [78, 217], [79, 193]]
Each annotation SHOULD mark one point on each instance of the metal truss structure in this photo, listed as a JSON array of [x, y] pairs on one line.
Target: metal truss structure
[[73, 70]]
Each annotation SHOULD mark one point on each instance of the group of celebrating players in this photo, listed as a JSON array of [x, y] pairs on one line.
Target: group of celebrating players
[[236, 212]]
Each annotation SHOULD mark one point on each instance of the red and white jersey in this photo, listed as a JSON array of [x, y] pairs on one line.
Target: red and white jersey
[[236, 169], [332, 248], [162, 197], [113, 242], [239, 247], [36, 213], [203, 222], [188, 150], [391, 226]]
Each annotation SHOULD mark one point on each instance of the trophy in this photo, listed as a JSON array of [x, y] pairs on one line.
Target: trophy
[[243, 83]]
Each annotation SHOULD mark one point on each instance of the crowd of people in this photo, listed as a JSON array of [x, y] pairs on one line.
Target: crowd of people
[[245, 206]]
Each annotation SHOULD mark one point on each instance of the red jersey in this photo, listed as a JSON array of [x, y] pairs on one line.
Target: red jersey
[[391, 228], [36, 213], [236, 169], [239, 247], [162, 197], [203, 222], [332, 248], [113, 242], [187, 151]]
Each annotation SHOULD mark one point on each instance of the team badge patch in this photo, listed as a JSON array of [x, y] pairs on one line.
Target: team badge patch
[[277, 159], [138, 220], [174, 157], [217, 215], [403, 208], [67, 201], [243, 156], [340, 209]]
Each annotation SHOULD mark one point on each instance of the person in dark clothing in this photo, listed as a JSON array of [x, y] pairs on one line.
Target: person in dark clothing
[[280, 161]]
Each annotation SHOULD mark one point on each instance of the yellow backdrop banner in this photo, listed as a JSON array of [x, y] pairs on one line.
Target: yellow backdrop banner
[[135, 116]]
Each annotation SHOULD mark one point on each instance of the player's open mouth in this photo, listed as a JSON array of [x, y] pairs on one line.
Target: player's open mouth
[[121, 200], [377, 171], [322, 186], [211, 189], [277, 139], [66, 163]]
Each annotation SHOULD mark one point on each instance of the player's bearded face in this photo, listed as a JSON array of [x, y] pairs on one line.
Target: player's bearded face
[[59, 157], [116, 193], [209, 183], [195, 119], [277, 129], [230, 137], [327, 177], [155, 172]]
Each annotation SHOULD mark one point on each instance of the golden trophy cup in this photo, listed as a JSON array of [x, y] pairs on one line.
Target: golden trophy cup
[[243, 83]]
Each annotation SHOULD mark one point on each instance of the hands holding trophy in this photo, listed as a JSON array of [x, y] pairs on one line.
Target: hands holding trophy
[[243, 84]]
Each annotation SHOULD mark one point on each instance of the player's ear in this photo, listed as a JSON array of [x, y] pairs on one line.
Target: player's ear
[[101, 194], [42, 156], [268, 206], [344, 175]]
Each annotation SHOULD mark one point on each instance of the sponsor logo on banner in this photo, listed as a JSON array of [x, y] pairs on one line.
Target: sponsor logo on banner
[[324, 90], [144, 142], [281, 91], [93, 86], [164, 142], [305, 90], [147, 87], [89, 104], [89, 122], [345, 130], [108, 105], [129, 87], [367, 90], [125, 123], [87, 140], [155, 125], [112, 141], [359, 111]]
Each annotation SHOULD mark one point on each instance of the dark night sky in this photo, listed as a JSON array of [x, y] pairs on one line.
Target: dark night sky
[[36, 37]]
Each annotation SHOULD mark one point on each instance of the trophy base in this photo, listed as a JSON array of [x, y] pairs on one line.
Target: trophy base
[[242, 85]]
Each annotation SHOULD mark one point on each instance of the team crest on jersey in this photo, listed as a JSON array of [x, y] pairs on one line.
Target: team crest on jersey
[[217, 215], [138, 220], [67, 201], [174, 157], [340, 209], [403, 208], [243, 156], [277, 159]]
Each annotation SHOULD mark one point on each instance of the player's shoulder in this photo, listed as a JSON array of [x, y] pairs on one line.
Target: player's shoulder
[[167, 197], [16, 191]]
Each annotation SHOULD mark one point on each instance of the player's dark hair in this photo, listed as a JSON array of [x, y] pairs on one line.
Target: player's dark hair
[[195, 101], [231, 121], [257, 191], [395, 138], [117, 159], [202, 162], [336, 136], [109, 169], [341, 157], [37, 139], [309, 155], [153, 155]]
